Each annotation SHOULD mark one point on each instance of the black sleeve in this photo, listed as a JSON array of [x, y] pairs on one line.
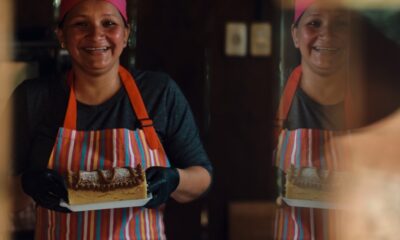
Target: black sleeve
[[182, 141], [21, 129], [34, 124]]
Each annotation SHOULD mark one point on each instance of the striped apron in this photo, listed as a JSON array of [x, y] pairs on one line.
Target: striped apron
[[103, 149], [304, 148]]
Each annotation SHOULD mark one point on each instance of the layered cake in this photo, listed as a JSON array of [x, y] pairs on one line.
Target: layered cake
[[116, 184], [314, 184]]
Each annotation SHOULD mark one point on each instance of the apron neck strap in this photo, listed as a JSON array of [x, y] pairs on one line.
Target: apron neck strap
[[135, 99], [287, 96], [285, 102], [71, 115]]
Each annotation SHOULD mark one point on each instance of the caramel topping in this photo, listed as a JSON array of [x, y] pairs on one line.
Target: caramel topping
[[105, 180]]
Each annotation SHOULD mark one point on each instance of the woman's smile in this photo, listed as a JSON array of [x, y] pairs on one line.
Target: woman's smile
[[328, 50], [97, 51]]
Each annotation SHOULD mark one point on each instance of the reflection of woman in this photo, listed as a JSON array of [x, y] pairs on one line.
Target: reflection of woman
[[97, 117], [312, 106]]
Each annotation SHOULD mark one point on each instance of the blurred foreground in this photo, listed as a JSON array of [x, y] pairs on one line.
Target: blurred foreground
[[374, 193]]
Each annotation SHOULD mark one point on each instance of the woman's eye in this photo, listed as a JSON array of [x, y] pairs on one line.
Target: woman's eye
[[314, 23], [80, 24], [108, 23]]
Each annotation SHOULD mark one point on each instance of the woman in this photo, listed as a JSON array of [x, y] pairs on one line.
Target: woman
[[314, 104], [100, 116]]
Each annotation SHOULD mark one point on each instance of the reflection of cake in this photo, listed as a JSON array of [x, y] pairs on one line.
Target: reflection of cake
[[115, 184], [313, 184]]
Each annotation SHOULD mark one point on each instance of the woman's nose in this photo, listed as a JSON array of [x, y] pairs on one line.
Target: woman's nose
[[337, 30], [327, 31], [96, 32]]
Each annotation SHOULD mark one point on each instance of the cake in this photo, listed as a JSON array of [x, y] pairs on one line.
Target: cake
[[116, 184], [314, 184]]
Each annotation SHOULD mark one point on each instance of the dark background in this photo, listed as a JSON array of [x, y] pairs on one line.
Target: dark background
[[231, 98]]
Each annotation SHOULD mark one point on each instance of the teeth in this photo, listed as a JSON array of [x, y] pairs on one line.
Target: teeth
[[97, 49], [325, 49]]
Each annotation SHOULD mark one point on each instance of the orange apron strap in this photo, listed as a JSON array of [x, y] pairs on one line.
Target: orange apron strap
[[286, 100], [71, 115], [135, 99], [139, 108]]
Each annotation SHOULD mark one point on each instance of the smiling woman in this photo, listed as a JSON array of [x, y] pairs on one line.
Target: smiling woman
[[322, 36], [94, 33], [314, 107], [100, 116]]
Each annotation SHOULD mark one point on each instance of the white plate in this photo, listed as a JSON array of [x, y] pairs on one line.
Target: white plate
[[106, 205], [314, 204]]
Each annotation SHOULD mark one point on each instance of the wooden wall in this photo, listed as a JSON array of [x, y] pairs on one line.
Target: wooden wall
[[242, 93], [232, 98]]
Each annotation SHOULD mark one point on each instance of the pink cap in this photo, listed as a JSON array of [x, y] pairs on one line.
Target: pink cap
[[301, 6], [67, 5]]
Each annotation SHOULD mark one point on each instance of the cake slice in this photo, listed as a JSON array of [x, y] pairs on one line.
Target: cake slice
[[116, 184], [314, 184]]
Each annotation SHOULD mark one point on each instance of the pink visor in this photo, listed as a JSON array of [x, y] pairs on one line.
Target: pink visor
[[301, 6], [67, 5]]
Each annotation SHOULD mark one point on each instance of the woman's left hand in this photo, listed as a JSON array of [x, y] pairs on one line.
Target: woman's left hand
[[183, 185], [161, 182]]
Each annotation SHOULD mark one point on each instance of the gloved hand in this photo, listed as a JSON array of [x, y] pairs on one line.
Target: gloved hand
[[161, 183], [46, 187]]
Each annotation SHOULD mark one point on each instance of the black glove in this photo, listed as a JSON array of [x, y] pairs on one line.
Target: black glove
[[161, 183], [46, 187]]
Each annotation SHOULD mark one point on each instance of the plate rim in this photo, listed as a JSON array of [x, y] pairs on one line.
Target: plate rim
[[314, 204], [106, 205]]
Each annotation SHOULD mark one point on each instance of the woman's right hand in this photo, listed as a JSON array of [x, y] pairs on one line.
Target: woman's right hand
[[47, 187]]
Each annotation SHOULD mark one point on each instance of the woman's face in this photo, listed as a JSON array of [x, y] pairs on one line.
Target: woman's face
[[94, 33], [322, 36]]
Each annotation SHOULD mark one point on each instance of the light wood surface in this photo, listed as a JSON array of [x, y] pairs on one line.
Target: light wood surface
[[6, 27]]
